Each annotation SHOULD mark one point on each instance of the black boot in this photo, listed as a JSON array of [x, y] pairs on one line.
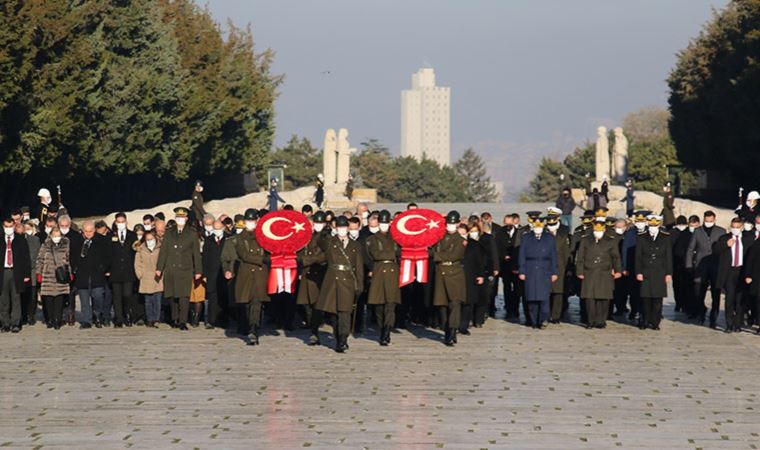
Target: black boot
[[341, 344], [447, 339], [385, 335], [454, 335], [253, 336]]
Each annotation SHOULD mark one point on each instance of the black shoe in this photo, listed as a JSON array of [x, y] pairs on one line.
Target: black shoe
[[465, 331], [182, 327], [313, 340], [447, 339], [252, 339], [128, 323], [117, 325], [140, 323], [208, 326], [5, 329], [713, 325], [98, 324], [85, 326], [15, 329], [341, 344]]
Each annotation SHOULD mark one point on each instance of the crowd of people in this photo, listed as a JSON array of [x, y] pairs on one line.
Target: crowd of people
[[194, 267]]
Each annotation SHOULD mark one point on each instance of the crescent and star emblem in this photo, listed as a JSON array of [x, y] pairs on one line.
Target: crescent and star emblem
[[403, 229], [266, 228]]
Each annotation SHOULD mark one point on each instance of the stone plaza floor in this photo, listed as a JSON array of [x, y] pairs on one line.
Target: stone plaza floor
[[505, 386]]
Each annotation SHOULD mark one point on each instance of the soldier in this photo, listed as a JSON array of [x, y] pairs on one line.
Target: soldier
[[598, 265], [562, 243], [178, 263], [449, 278], [252, 276], [580, 232], [312, 258], [384, 293], [197, 205], [230, 265], [520, 289], [654, 269], [538, 269], [44, 209], [343, 281]]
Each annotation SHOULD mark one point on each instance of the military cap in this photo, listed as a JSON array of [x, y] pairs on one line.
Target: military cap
[[384, 216], [319, 217], [341, 221], [453, 217], [552, 220], [641, 216], [610, 221], [601, 212], [539, 222], [251, 214], [553, 211], [654, 220], [600, 226], [199, 183], [239, 221], [181, 211]]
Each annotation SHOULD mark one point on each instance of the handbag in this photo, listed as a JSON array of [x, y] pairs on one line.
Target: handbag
[[62, 273]]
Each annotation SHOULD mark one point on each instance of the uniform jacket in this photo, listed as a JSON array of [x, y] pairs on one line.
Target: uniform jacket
[[538, 262], [654, 260], [253, 273], [449, 273], [313, 273], [596, 261], [179, 260], [562, 244], [382, 262], [341, 287]]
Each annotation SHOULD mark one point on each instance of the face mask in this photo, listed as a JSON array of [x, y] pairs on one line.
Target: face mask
[[598, 234], [218, 233], [148, 227], [474, 235], [48, 230], [250, 225], [692, 228], [749, 226], [25, 218], [121, 226], [538, 231], [318, 227], [384, 227], [65, 230], [365, 214], [208, 228], [56, 239], [619, 231], [200, 189], [151, 244], [653, 231], [681, 227], [342, 231], [640, 225], [709, 224], [238, 230], [353, 233], [29, 232], [451, 227], [374, 230], [8, 230], [181, 221], [736, 231], [333, 232], [553, 228], [757, 226], [139, 236]]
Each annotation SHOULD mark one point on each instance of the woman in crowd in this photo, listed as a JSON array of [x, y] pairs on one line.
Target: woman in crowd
[[476, 274], [145, 269], [54, 254]]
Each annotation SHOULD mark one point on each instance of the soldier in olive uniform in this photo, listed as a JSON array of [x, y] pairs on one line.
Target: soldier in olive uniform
[[581, 231], [654, 270], [343, 281], [384, 292], [198, 211], [230, 265], [178, 262], [562, 243], [449, 290], [598, 265], [252, 276], [312, 258]]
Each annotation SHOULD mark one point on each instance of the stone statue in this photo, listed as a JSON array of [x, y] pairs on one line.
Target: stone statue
[[602, 155], [343, 168], [620, 156], [330, 158]]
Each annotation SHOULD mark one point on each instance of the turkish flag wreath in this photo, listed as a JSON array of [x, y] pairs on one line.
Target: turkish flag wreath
[[416, 230], [283, 233]]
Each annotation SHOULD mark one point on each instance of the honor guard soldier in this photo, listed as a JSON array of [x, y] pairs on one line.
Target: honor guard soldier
[[654, 270], [598, 265], [44, 209], [562, 243], [178, 263], [343, 281], [384, 292], [198, 211], [449, 278], [252, 276], [230, 264], [312, 259]]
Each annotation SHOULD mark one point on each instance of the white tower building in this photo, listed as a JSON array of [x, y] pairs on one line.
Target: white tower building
[[425, 119]]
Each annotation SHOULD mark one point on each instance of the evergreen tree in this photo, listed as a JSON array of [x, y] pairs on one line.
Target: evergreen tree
[[303, 161], [478, 187]]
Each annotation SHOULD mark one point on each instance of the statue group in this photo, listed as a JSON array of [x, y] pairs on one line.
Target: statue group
[[337, 157], [616, 167]]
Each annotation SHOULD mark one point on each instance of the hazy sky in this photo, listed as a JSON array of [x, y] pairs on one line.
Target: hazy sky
[[528, 77]]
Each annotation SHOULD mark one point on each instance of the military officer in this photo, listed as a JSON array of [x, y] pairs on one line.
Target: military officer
[[562, 243], [654, 269], [44, 208], [178, 263], [252, 276], [579, 233], [640, 230], [343, 281], [449, 278], [230, 264], [598, 265], [538, 269], [384, 292], [198, 211], [312, 259]]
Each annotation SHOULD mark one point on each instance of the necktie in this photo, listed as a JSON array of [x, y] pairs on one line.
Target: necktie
[[85, 248], [121, 237], [737, 251], [9, 253]]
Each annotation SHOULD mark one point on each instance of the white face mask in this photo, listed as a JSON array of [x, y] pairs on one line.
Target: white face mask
[[29, 232], [65, 230], [318, 227], [538, 231], [250, 225], [654, 230], [474, 235], [25, 217], [640, 225], [56, 239], [353, 233], [342, 231], [374, 230], [619, 231], [151, 244], [451, 227], [333, 232], [757, 226], [8, 230], [749, 226], [384, 227], [48, 230], [238, 230], [736, 231], [181, 221], [121, 226], [148, 227], [692, 228], [598, 234], [200, 188], [218, 233], [365, 214], [709, 224], [208, 228], [553, 228], [681, 227]]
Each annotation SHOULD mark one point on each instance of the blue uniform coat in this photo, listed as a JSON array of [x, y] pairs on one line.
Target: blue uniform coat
[[538, 262]]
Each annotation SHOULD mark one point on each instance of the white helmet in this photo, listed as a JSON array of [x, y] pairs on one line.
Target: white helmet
[[754, 195], [43, 193]]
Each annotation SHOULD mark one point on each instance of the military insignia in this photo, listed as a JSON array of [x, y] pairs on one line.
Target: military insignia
[[114, 239]]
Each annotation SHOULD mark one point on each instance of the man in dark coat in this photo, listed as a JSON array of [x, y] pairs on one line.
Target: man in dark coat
[[449, 278], [654, 270], [89, 264], [17, 267], [122, 270], [730, 251], [700, 259], [382, 261], [562, 244], [312, 259], [252, 276], [343, 281], [197, 210], [598, 265], [680, 237], [538, 269], [179, 262], [505, 248], [752, 275], [230, 265], [211, 260]]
